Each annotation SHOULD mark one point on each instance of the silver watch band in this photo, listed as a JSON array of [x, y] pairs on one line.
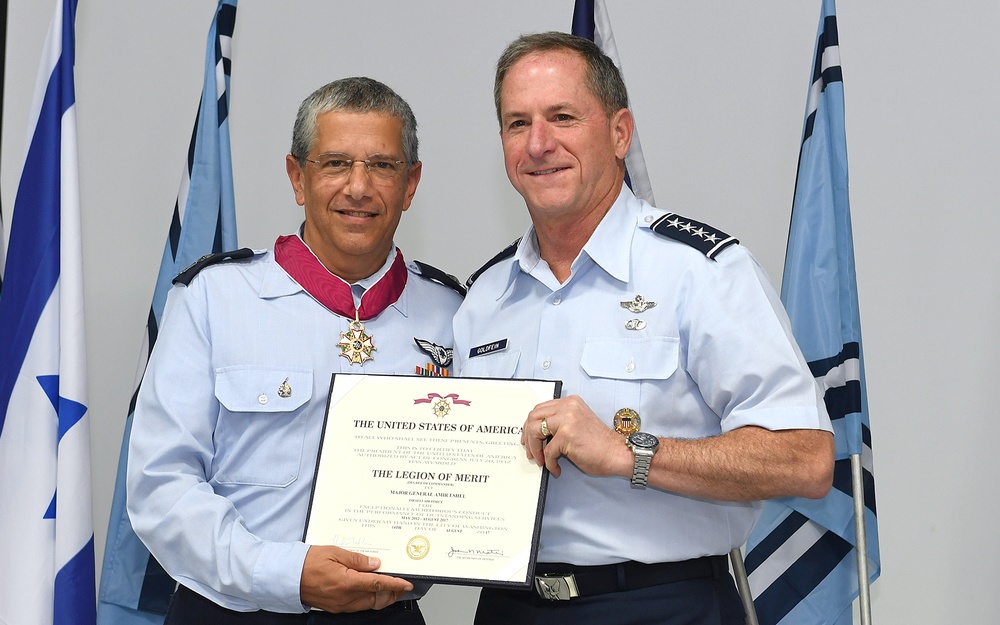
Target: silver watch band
[[640, 470]]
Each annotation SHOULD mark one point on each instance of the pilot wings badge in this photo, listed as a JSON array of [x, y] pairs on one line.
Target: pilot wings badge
[[440, 355]]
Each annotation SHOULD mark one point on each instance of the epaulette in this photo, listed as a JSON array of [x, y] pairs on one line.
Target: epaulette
[[505, 253], [436, 275], [704, 238], [188, 274]]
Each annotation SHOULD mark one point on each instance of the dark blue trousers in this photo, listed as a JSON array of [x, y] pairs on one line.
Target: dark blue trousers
[[189, 608], [706, 601]]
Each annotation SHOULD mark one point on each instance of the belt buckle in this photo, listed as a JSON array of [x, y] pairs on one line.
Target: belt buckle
[[556, 587]]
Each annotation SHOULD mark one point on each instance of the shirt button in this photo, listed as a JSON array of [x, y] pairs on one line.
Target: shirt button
[[262, 399], [630, 367], [546, 364], [556, 300]]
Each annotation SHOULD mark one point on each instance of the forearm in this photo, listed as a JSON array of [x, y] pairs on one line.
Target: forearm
[[746, 464], [201, 541]]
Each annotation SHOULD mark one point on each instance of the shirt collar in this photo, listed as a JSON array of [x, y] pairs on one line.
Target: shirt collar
[[609, 246]]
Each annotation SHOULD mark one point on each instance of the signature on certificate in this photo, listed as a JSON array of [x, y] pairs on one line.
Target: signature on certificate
[[475, 552]]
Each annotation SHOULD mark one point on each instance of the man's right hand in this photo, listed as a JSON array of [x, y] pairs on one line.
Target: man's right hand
[[337, 580]]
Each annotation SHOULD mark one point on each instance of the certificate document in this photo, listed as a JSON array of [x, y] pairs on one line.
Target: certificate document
[[429, 475]]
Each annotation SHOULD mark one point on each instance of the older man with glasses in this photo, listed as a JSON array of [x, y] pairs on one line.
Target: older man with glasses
[[230, 413]]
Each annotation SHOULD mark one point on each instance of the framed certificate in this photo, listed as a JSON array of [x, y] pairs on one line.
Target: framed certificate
[[429, 475]]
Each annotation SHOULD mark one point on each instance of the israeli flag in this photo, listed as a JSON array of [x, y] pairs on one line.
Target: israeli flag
[[134, 587], [46, 526], [802, 555]]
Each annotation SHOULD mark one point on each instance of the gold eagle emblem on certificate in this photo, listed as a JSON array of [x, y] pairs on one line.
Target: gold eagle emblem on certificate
[[418, 547]]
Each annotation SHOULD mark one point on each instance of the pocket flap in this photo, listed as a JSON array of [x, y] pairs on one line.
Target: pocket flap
[[648, 358], [263, 389]]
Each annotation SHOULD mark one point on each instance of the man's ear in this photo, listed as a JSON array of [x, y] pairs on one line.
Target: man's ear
[[412, 179], [622, 125], [295, 176]]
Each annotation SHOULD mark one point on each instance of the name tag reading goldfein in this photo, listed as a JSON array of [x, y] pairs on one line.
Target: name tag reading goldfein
[[429, 475]]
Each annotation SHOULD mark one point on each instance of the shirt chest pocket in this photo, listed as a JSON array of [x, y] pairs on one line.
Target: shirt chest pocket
[[626, 373], [261, 428]]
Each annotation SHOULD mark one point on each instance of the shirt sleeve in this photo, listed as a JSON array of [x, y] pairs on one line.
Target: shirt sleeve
[[198, 536], [741, 351]]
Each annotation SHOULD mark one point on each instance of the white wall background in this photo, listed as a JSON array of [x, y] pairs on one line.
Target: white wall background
[[718, 89]]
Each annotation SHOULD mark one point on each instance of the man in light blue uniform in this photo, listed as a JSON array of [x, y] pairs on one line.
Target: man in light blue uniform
[[230, 413], [685, 398]]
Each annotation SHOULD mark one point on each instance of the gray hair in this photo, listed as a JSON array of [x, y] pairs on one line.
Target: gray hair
[[604, 79], [357, 95]]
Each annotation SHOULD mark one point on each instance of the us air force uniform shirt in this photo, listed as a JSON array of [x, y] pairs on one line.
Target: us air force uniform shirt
[[682, 328]]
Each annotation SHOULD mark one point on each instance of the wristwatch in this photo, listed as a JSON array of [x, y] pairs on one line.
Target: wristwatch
[[643, 446]]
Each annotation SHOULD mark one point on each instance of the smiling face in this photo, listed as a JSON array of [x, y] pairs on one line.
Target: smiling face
[[561, 151], [350, 221]]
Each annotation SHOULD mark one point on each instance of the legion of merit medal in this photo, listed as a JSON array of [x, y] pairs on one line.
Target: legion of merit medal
[[355, 345]]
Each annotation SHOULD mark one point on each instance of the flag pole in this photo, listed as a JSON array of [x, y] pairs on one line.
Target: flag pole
[[743, 585], [861, 535]]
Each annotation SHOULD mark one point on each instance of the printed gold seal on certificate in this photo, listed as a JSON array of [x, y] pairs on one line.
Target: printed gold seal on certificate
[[418, 548]]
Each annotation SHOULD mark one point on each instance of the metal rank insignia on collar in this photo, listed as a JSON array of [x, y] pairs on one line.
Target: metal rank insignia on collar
[[627, 421], [355, 345], [638, 304]]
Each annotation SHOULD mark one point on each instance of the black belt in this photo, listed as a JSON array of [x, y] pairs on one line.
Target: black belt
[[555, 581]]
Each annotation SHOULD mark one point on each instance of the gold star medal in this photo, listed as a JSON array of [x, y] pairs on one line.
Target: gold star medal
[[355, 345]]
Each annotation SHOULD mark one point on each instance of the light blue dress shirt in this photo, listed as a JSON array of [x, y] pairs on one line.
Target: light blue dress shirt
[[221, 464], [714, 354]]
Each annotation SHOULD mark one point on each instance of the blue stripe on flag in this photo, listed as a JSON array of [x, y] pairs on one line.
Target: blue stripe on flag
[[801, 577], [583, 19], [74, 586], [33, 252]]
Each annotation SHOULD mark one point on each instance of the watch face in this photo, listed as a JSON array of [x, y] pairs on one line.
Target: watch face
[[644, 440]]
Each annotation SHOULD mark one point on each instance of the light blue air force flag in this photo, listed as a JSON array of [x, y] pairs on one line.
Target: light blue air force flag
[[591, 21], [46, 525], [801, 555], [134, 587]]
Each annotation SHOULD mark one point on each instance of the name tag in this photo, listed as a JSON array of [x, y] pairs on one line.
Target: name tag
[[488, 348]]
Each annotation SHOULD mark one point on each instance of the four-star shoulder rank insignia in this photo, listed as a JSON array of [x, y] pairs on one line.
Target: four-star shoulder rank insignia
[[704, 238]]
